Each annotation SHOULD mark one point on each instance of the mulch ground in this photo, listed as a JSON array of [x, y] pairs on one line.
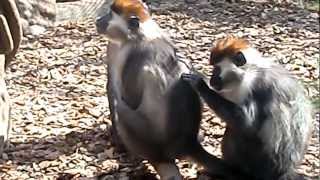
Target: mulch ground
[[61, 123]]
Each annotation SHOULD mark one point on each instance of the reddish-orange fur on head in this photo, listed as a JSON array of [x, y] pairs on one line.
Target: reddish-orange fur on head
[[129, 8], [227, 47]]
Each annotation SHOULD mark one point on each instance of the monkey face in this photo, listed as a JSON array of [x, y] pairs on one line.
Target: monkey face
[[122, 19], [112, 25], [226, 75]]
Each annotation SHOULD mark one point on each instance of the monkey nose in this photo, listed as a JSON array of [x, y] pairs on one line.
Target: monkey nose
[[101, 24]]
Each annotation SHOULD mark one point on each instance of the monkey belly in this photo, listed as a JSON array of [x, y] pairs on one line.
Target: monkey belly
[[146, 142], [164, 136], [137, 145], [142, 130]]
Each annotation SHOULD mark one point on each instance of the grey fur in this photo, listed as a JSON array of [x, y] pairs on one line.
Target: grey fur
[[268, 127], [156, 115]]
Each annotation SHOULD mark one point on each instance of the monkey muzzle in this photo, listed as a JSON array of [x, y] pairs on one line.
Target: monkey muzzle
[[216, 81], [102, 23]]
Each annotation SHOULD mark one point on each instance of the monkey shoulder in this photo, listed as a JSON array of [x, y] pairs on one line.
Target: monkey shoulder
[[272, 90], [280, 84], [158, 58], [281, 104]]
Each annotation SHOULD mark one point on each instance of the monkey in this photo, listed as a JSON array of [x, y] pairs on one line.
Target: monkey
[[10, 39], [268, 116], [156, 114]]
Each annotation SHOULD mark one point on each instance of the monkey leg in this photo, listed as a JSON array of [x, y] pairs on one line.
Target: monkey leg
[[167, 170], [5, 122], [214, 166], [112, 51], [115, 139]]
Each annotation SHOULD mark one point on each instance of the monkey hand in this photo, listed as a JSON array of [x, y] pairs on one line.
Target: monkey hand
[[194, 80]]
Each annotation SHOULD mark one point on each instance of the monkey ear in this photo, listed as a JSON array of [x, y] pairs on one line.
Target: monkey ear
[[133, 22], [239, 59]]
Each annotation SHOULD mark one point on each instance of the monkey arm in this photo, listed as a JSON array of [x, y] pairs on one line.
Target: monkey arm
[[225, 109]]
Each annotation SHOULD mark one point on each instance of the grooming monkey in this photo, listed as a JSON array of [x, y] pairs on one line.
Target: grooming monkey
[[10, 39], [267, 114], [155, 113]]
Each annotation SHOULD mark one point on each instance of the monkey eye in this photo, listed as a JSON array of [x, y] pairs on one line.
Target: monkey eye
[[133, 22], [239, 59]]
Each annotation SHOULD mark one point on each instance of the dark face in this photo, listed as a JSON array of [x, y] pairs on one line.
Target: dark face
[[121, 20], [216, 80], [226, 71], [116, 26], [102, 22]]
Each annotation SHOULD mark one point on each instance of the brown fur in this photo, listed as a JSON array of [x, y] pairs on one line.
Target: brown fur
[[227, 47], [129, 8]]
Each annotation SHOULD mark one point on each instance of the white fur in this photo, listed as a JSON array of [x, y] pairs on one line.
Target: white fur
[[226, 66], [117, 64], [254, 57], [151, 30], [117, 23], [237, 93]]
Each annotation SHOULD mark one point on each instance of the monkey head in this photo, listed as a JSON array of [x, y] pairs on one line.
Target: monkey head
[[230, 58], [227, 58], [126, 20]]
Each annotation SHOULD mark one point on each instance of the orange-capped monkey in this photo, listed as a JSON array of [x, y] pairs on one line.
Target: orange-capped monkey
[[267, 114], [154, 112]]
